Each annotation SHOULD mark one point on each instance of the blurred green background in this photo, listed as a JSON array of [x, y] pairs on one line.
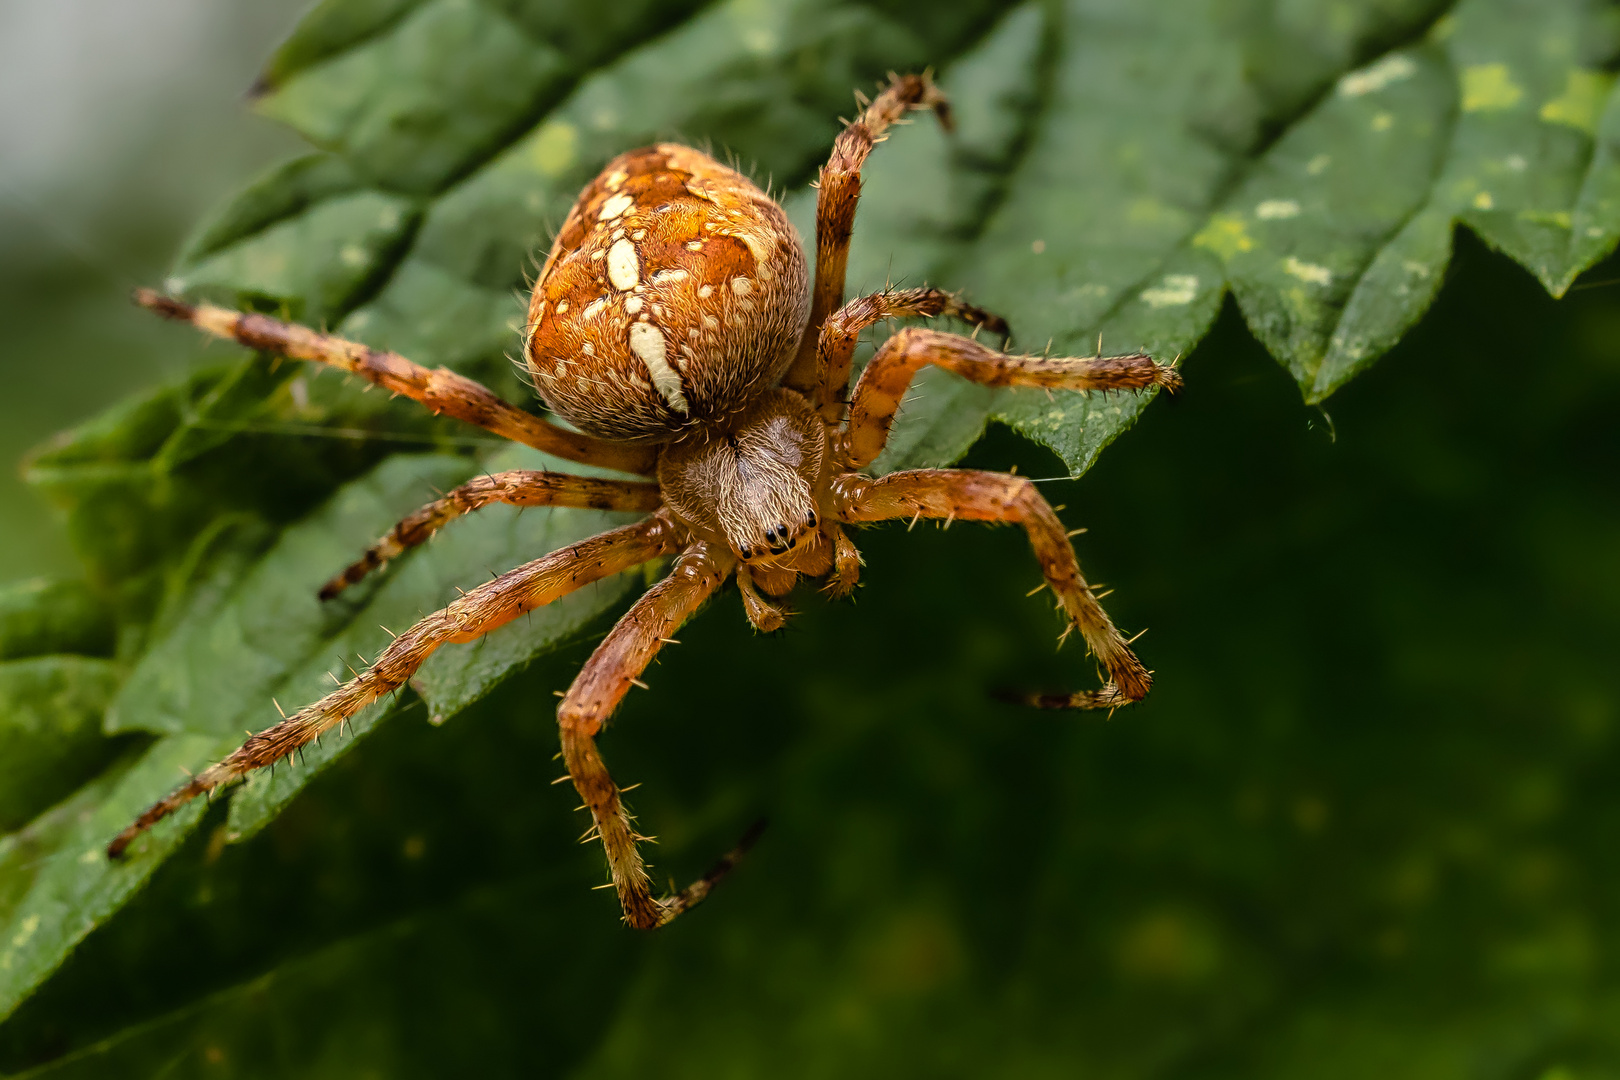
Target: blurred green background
[[1365, 825], [120, 125]]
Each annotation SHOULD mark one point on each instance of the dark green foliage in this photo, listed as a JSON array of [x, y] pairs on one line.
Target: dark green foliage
[[39, 617], [1359, 827]]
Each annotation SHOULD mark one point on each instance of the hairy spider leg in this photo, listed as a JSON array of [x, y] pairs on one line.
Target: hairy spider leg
[[441, 390], [471, 616], [846, 564], [765, 616], [601, 684], [970, 495], [835, 347], [839, 190], [518, 487], [883, 384]]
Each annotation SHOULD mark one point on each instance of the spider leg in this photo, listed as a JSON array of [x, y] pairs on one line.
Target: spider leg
[[519, 487], [846, 563], [441, 390], [606, 677], [765, 616], [471, 616], [883, 384], [839, 334], [986, 496], [839, 190]]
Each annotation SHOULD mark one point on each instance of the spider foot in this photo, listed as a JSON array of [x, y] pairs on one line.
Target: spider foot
[[694, 894], [1109, 697]]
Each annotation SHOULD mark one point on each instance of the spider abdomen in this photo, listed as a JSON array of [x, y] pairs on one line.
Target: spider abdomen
[[675, 293]]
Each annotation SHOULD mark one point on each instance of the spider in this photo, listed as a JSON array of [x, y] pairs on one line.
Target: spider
[[676, 327]]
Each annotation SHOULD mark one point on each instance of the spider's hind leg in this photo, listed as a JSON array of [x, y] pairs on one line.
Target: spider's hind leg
[[471, 616]]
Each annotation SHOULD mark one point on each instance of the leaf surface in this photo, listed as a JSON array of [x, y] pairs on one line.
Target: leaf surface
[[1119, 167]]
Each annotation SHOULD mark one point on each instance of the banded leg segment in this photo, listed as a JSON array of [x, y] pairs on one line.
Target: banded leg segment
[[607, 676], [471, 616], [838, 193], [987, 496], [835, 347], [519, 487], [441, 390], [883, 384]]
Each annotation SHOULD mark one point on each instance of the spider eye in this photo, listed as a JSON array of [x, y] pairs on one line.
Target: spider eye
[[810, 519]]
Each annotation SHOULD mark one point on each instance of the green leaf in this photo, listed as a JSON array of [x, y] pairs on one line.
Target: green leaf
[[58, 883], [1529, 165], [50, 730], [391, 973], [325, 256], [43, 616], [1119, 166]]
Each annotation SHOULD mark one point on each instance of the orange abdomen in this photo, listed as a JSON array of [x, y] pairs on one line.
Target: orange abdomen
[[676, 292]]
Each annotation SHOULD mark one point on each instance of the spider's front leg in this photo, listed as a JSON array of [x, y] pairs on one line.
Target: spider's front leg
[[986, 496], [518, 487], [838, 192], [441, 390], [474, 614], [835, 346], [883, 384], [607, 676]]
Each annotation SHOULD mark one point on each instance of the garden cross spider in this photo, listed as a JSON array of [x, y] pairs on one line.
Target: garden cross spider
[[675, 325]]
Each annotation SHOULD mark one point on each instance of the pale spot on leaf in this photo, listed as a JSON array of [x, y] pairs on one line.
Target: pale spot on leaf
[[1390, 69], [1558, 219], [25, 930], [1581, 102], [1225, 235], [1308, 272], [1176, 289], [1276, 209], [556, 145], [1488, 87]]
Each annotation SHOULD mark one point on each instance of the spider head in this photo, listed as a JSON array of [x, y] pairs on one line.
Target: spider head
[[750, 483]]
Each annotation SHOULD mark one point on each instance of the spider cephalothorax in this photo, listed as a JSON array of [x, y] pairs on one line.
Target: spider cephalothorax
[[675, 324]]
